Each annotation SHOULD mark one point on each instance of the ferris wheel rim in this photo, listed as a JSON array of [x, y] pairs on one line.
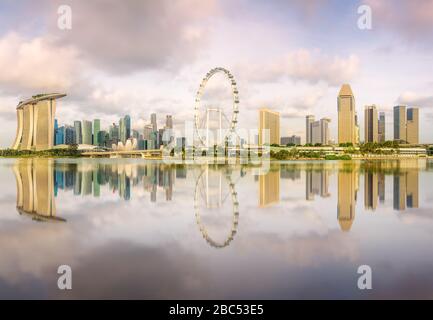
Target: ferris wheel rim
[[235, 99], [235, 217]]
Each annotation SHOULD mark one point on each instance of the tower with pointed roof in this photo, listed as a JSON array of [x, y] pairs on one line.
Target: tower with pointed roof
[[346, 115]]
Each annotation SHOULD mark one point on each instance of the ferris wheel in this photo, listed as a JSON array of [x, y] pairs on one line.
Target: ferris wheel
[[203, 195], [201, 121]]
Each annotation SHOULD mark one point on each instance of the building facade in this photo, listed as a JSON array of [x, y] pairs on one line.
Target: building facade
[[87, 132], [35, 129], [308, 129], [346, 115], [381, 136], [269, 127], [78, 132], [400, 123], [371, 123], [320, 132], [96, 130], [406, 124], [412, 126], [293, 140]]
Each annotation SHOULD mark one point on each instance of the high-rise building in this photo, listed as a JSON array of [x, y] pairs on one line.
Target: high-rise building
[[96, 130], [169, 122], [69, 135], [87, 132], [35, 130], [406, 124], [60, 136], [128, 127], [346, 115], [412, 126], [293, 140], [357, 130], [153, 121], [148, 129], [78, 132], [400, 123], [320, 131], [103, 138], [381, 127], [122, 130], [371, 124], [269, 127], [308, 129], [114, 134]]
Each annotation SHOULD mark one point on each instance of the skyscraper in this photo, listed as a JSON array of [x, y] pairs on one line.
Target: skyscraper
[[153, 122], [308, 129], [96, 130], [60, 136], [400, 123], [346, 115], [78, 132], [113, 133], [371, 124], [87, 132], [320, 131], [381, 127], [169, 122], [122, 130], [69, 135], [412, 126], [128, 129], [357, 130], [269, 123], [147, 131], [35, 130], [406, 124]]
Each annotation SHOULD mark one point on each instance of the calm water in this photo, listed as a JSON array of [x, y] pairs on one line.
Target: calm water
[[134, 229]]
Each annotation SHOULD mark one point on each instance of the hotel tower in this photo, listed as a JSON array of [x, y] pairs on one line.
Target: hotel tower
[[346, 115], [35, 130]]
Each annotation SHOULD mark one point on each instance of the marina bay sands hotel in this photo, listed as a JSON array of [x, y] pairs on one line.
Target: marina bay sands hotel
[[35, 130]]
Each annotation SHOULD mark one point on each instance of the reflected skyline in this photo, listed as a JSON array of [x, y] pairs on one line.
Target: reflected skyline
[[150, 219], [39, 181]]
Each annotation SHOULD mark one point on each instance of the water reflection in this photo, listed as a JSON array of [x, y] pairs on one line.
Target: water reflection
[[135, 229], [39, 181], [213, 189]]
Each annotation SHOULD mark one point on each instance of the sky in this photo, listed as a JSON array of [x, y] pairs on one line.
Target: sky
[[138, 57]]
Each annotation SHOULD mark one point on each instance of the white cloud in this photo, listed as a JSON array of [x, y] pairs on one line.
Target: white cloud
[[307, 65], [35, 65]]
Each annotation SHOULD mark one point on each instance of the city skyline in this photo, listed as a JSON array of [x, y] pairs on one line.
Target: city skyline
[[305, 42]]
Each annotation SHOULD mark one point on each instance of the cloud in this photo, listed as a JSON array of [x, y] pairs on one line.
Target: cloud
[[120, 38], [412, 19], [415, 99], [35, 65], [305, 65]]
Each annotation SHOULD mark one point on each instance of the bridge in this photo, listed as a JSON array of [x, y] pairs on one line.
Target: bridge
[[148, 154]]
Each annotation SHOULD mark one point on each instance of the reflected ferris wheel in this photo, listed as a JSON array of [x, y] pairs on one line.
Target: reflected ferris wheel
[[215, 191]]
